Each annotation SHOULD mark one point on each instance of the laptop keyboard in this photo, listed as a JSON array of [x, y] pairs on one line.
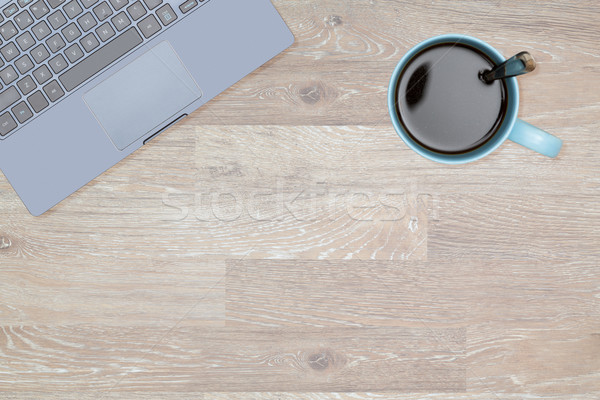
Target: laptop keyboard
[[49, 48]]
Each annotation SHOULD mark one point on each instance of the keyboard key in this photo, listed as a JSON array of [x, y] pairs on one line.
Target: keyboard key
[[88, 3], [8, 30], [9, 97], [87, 21], [42, 74], [25, 41], [40, 54], [39, 9], [73, 9], [58, 64], [55, 3], [10, 10], [22, 112], [24, 3], [37, 101], [152, 4], [26, 85], [41, 30], [149, 26], [10, 52], [8, 75], [53, 91], [24, 64], [100, 59], [74, 53], [57, 19], [71, 32], [55, 43], [136, 10], [24, 20], [102, 11], [7, 124], [105, 31], [121, 21], [89, 42], [188, 5], [166, 14], [118, 4]]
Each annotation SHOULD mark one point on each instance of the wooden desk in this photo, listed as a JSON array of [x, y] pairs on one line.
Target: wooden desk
[[283, 242]]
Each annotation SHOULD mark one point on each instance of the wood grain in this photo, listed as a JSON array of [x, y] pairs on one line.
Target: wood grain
[[283, 243], [507, 348], [248, 360], [143, 292], [386, 293], [337, 72], [296, 396]]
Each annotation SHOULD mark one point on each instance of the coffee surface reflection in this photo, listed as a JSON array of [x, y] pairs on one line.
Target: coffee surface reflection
[[443, 104]]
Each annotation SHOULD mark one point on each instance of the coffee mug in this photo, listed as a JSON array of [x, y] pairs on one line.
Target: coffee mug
[[510, 128]]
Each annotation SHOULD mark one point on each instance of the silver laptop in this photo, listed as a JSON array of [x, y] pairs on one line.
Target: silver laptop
[[84, 83]]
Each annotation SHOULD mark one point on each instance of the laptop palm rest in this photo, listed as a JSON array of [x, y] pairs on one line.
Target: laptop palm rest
[[143, 96]]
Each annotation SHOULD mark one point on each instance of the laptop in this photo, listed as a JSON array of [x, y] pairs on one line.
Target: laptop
[[85, 83]]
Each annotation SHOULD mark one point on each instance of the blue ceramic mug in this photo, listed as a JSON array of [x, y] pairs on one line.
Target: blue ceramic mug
[[511, 128]]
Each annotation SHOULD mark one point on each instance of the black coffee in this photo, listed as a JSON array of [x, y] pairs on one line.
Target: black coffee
[[444, 105]]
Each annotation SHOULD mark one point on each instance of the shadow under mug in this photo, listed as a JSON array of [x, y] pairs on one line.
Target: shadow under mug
[[511, 128]]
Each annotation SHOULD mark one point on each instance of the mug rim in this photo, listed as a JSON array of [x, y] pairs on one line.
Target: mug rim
[[497, 139]]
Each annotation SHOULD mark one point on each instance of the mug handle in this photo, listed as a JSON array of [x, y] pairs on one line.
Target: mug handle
[[535, 139]]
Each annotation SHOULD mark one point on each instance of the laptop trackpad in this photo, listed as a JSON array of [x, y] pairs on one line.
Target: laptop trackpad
[[143, 96]]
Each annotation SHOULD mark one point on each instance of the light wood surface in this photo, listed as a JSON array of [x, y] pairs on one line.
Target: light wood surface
[[283, 243]]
